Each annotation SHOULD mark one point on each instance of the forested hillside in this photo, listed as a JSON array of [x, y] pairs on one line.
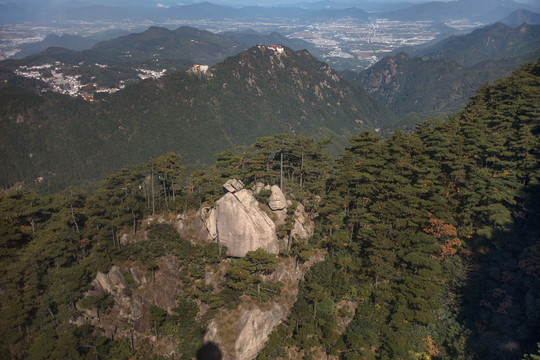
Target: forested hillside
[[435, 82], [416, 88], [492, 42], [259, 92], [426, 246]]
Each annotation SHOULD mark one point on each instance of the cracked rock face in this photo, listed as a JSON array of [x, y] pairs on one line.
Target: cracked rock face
[[242, 226], [256, 325], [238, 221], [277, 200]]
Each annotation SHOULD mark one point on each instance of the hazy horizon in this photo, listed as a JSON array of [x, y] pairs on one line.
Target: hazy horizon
[[168, 3]]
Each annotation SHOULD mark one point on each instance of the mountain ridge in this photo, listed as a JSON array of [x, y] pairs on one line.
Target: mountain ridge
[[259, 92], [491, 42], [486, 11], [417, 88]]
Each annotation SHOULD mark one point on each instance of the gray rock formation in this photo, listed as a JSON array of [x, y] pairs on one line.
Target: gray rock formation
[[243, 332], [255, 325], [233, 185], [193, 227], [112, 283], [130, 313], [303, 226], [258, 187], [239, 222], [277, 200], [242, 226]]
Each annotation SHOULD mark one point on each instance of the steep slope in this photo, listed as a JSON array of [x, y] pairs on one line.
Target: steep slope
[[456, 200], [427, 246], [260, 92], [438, 80], [159, 43], [486, 11], [492, 42], [521, 16], [430, 87]]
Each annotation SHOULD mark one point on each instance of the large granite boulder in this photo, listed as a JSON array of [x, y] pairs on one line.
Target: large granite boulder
[[241, 225], [277, 200], [238, 221]]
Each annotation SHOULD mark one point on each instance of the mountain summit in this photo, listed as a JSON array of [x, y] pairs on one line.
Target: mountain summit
[[259, 92]]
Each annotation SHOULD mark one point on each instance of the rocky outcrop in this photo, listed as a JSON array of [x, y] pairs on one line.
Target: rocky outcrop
[[239, 222], [242, 226], [253, 329], [191, 226], [129, 315], [233, 185], [243, 332], [255, 325], [303, 225], [277, 200]]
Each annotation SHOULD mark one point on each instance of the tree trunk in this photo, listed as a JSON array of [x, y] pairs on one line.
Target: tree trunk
[[33, 224], [172, 186], [302, 171], [165, 194], [132, 343], [73, 212], [153, 195], [281, 171], [134, 223], [113, 236]]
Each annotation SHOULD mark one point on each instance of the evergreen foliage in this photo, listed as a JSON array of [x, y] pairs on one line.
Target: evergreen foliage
[[51, 140], [431, 243]]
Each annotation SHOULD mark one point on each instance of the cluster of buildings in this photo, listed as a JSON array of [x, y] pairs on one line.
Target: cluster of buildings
[[198, 69], [150, 74], [53, 74]]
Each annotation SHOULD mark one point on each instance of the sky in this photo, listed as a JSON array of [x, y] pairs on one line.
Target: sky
[[167, 3], [225, 2]]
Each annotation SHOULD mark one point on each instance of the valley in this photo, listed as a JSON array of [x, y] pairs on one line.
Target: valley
[[325, 180], [342, 43]]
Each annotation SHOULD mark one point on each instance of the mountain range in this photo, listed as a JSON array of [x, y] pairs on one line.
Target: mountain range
[[486, 11], [161, 43], [67, 41], [439, 80], [108, 64], [521, 16], [258, 92], [491, 42]]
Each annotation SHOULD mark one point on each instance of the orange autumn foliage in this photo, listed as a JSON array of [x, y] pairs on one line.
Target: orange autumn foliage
[[447, 234], [431, 346]]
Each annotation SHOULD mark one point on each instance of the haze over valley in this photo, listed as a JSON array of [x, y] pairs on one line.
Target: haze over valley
[[327, 180]]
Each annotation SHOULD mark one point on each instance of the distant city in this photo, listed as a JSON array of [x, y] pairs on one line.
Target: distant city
[[342, 43]]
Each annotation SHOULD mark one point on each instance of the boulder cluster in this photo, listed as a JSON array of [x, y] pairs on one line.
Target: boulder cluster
[[242, 224]]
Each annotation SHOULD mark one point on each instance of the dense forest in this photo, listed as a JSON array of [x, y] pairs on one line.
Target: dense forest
[[427, 245], [63, 141]]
